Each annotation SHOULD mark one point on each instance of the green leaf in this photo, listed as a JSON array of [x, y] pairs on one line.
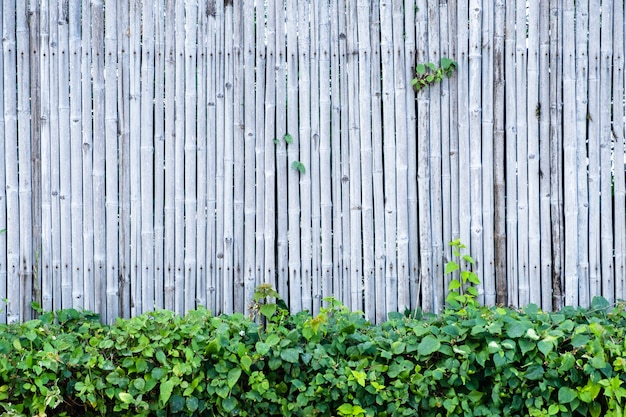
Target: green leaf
[[177, 404], [532, 334], [454, 284], [288, 138], [290, 355], [428, 345], [545, 346], [126, 397], [268, 310], [233, 377], [262, 348], [229, 404], [599, 303], [566, 395], [420, 69], [246, 362], [192, 404], [451, 267], [298, 166], [534, 372], [272, 339], [157, 373], [580, 340], [165, 392]]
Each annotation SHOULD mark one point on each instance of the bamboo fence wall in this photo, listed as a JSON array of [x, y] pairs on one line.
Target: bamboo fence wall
[[170, 154]]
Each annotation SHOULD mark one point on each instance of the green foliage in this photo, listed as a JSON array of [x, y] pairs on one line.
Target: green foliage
[[462, 292], [471, 360], [427, 74], [298, 166]]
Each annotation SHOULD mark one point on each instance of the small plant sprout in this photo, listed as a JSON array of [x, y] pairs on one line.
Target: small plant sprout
[[427, 74], [298, 166], [461, 292]]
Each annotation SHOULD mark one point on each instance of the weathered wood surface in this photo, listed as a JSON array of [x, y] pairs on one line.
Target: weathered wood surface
[[170, 154]]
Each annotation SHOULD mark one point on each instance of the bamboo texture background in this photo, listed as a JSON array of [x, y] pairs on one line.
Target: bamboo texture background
[[149, 153]]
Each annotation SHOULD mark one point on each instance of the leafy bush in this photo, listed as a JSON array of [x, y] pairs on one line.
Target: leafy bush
[[474, 361]]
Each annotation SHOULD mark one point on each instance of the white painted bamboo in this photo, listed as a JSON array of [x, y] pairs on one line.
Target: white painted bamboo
[[3, 190], [325, 178], [344, 151], [33, 283], [179, 161], [47, 95], [544, 155], [380, 314], [220, 86], [228, 274], [304, 146], [24, 155], [201, 238], [61, 38], [570, 129], [11, 157], [365, 141], [619, 227], [134, 168], [272, 140], [511, 152], [316, 187], [169, 206], [263, 143], [446, 178], [354, 162], [336, 153], [464, 126], [487, 132], [427, 281], [556, 150], [190, 151], [145, 217], [293, 155], [499, 195], [239, 157], [435, 197], [98, 155], [159, 154], [533, 117], [249, 148], [389, 154], [282, 267], [521, 56], [212, 139], [454, 131], [598, 126], [123, 115], [582, 210]]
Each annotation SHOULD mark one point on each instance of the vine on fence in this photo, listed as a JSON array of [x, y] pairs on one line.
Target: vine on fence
[[427, 74]]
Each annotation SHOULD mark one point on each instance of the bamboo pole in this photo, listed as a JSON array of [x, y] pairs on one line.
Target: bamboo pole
[[123, 115], [389, 154], [556, 149], [434, 130], [533, 117], [134, 168], [544, 155], [48, 74], [609, 243], [219, 155], [325, 146], [377, 168], [365, 142], [500, 247], [511, 152], [24, 155], [202, 180], [190, 147], [619, 227], [146, 168], [304, 136], [228, 275], [159, 154], [3, 190], [598, 126], [570, 130], [581, 258], [354, 159], [293, 206], [487, 133], [282, 267], [11, 156], [239, 158], [169, 206], [180, 291], [271, 135], [98, 155]]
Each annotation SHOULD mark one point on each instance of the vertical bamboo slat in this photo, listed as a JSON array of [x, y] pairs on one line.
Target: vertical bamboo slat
[[3, 191]]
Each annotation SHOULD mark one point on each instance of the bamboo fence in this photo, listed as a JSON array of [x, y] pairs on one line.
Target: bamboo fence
[[175, 154]]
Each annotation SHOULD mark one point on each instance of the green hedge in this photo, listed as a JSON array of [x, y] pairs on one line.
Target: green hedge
[[468, 361]]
